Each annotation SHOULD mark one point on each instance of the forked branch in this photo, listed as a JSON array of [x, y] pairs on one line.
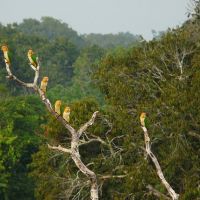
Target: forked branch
[[74, 151], [87, 124]]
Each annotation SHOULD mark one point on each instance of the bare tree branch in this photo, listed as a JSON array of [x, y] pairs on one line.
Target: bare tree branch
[[193, 134], [157, 193], [59, 148], [160, 174], [194, 9], [75, 140], [112, 176], [74, 151], [12, 77], [95, 139], [87, 124]]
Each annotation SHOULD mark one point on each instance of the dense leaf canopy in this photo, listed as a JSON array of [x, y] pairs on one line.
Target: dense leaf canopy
[[119, 76]]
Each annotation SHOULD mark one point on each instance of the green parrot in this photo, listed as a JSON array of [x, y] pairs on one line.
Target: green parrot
[[143, 120], [32, 58], [6, 53]]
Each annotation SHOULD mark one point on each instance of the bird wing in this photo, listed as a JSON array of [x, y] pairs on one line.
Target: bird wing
[[34, 58]]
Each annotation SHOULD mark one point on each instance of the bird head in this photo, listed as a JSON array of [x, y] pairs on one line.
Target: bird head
[[4, 48], [143, 115], [30, 52], [45, 79], [58, 102], [67, 109]]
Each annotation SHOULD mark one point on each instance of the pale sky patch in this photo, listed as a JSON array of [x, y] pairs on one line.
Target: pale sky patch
[[101, 16]]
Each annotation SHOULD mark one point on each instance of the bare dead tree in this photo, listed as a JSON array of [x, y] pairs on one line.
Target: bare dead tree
[[173, 55], [78, 138], [75, 134], [160, 174], [176, 55]]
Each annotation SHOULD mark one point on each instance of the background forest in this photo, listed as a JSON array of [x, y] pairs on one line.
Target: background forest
[[121, 75]]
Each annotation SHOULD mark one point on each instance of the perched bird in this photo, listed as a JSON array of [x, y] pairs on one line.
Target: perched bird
[[32, 58], [66, 114], [143, 119], [57, 106], [43, 85], [6, 54]]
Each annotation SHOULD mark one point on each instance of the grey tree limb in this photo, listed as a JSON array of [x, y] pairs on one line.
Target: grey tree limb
[[160, 174]]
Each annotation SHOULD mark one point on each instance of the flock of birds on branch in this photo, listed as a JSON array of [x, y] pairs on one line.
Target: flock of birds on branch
[[43, 86], [33, 60]]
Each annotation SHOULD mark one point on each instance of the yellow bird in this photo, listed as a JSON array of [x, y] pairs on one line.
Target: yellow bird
[[143, 119], [66, 114], [43, 85], [6, 54], [32, 58], [57, 106]]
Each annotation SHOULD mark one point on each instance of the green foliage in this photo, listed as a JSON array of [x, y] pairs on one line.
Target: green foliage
[[58, 171], [82, 85], [56, 56], [48, 171], [49, 28], [8, 158], [81, 112], [112, 40], [20, 119], [149, 79], [160, 77]]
